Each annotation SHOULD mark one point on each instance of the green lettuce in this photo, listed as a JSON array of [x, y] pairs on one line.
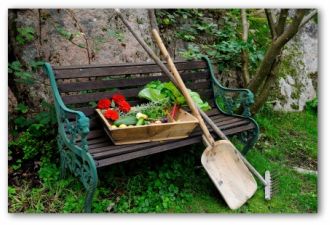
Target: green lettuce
[[156, 91], [151, 94]]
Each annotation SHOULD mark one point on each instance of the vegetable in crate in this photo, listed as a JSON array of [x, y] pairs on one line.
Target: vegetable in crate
[[154, 110], [158, 91], [127, 120], [141, 117]]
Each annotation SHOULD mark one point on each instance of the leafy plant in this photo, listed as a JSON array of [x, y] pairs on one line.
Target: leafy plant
[[20, 74], [158, 91], [219, 39], [33, 136], [24, 74], [64, 33], [116, 34], [154, 109], [312, 105], [25, 35]]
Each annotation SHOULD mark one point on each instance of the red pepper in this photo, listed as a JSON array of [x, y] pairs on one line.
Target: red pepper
[[174, 110]]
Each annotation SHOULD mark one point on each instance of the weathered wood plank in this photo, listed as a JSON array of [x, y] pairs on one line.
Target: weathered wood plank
[[88, 111], [236, 130], [107, 151], [96, 134], [133, 92], [110, 70], [104, 151], [106, 157], [81, 98], [64, 67], [145, 152], [146, 144], [124, 82]]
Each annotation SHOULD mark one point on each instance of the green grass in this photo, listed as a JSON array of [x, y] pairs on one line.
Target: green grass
[[175, 181]]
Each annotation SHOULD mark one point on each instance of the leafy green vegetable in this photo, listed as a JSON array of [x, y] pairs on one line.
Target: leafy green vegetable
[[151, 94], [154, 110], [199, 102], [174, 93], [157, 91]]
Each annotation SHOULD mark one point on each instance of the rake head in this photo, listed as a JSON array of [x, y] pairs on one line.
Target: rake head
[[272, 185]]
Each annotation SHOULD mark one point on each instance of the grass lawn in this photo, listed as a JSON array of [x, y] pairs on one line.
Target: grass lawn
[[175, 181]]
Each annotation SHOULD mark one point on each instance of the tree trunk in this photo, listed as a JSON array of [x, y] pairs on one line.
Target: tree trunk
[[265, 75], [244, 53], [266, 88]]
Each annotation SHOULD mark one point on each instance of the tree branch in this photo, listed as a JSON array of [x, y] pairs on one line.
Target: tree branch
[[307, 18], [271, 23], [245, 25], [72, 14], [281, 21], [292, 29], [273, 51], [244, 54], [265, 90]]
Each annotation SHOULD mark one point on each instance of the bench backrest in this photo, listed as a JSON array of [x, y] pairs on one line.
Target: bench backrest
[[82, 86]]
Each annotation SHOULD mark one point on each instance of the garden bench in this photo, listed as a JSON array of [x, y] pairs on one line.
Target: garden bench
[[82, 142]]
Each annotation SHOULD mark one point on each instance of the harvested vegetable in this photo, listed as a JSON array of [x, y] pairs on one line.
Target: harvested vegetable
[[127, 120], [154, 110], [157, 91], [141, 117]]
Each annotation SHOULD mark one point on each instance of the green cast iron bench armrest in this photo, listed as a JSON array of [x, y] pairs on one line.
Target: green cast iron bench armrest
[[70, 131], [73, 128], [230, 100]]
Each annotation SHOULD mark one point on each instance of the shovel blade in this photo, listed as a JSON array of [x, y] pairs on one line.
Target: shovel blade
[[228, 172]]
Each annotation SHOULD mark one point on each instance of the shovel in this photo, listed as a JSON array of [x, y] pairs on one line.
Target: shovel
[[267, 182], [220, 159]]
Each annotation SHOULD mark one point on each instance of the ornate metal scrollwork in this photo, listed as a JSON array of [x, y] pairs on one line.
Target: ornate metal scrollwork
[[236, 102], [73, 128], [231, 100]]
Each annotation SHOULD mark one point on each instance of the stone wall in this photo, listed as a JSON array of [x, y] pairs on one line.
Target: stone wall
[[98, 36], [299, 71], [74, 37]]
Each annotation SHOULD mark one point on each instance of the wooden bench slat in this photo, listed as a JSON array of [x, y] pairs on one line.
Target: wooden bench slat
[[118, 146], [236, 130], [133, 92], [160, 148], [88, 111], [145, 152], [96, 134], [84, 66], [107, 151], [124, 82], [110, 70]]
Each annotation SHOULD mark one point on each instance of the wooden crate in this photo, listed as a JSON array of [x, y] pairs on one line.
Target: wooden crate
[[181, 127]]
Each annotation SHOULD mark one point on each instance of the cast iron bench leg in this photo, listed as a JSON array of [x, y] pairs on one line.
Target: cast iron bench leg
[[82, 167], [251, 137]]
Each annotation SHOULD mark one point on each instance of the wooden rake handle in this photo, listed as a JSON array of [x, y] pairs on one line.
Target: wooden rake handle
[[182, 87]]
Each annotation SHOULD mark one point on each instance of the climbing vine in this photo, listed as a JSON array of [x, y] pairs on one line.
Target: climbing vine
[[216, 33]]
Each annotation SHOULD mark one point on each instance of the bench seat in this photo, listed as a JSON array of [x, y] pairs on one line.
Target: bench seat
[[105, 153], [83, 144]]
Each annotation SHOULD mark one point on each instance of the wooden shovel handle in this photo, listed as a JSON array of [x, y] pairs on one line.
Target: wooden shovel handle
[[182, 86]]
